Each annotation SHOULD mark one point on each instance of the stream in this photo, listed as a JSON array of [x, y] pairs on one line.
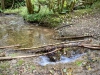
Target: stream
[[13, 30], [71, 61]]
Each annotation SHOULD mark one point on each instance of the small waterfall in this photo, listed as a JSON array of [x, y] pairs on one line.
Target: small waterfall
[[45, 60]]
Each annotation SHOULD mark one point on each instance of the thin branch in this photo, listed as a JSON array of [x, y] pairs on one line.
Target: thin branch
[[73, 37], [11, 46], [67, 25]]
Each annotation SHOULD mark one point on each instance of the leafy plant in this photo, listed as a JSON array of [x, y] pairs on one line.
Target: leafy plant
[[79, 63]]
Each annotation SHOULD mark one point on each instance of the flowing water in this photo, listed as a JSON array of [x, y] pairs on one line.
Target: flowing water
[[13, 31], [45, 60]]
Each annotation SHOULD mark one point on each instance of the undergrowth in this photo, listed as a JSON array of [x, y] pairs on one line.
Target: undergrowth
[[48, 18]]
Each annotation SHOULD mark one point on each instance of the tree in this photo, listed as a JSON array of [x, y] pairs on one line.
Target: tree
[[2, 4], [29, 7]]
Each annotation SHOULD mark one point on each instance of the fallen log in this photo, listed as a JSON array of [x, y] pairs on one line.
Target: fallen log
[[54, 49], [11, 46], [18, 57], [32, 48], [73, 37], [48, 48]]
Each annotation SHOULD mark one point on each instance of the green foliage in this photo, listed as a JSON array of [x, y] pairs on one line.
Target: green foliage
[[14, 3], [79, 63], [1, 10], [44, 16], [4, 65], [50, 10], [96, 5], [20, 62]]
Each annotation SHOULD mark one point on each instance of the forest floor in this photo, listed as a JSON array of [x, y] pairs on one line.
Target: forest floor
[[88, 64]]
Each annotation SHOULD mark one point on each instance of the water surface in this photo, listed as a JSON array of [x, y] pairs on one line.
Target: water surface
[[13, 31]]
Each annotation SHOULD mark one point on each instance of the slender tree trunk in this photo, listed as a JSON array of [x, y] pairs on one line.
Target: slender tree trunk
[[2, 4], [29, 7], [58, 5], [62, 6]]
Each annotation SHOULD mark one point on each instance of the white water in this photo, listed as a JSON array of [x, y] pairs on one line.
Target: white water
[[45, 60]]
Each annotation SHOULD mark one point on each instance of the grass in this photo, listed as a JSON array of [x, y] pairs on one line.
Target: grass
[[4, 65], [78, 63], [44, 16], [20, 62], [47, 17]]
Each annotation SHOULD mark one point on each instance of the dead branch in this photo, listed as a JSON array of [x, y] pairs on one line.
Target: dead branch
[[67, 25], [89, 46], [51, 47], [32, 48], [55, 48], [74, 37], [11, 46], [18, 57]]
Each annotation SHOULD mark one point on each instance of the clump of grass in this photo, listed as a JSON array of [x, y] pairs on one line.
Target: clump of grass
[[78, 63], [44, 16], [4, 65], [82, 11], [20, 62], [4, 68]]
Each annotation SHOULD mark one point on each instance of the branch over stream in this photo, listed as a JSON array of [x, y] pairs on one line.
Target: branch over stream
[[50, 49]]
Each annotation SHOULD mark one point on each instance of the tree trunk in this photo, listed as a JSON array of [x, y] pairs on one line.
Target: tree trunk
[[29, 7], [2, 5]]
